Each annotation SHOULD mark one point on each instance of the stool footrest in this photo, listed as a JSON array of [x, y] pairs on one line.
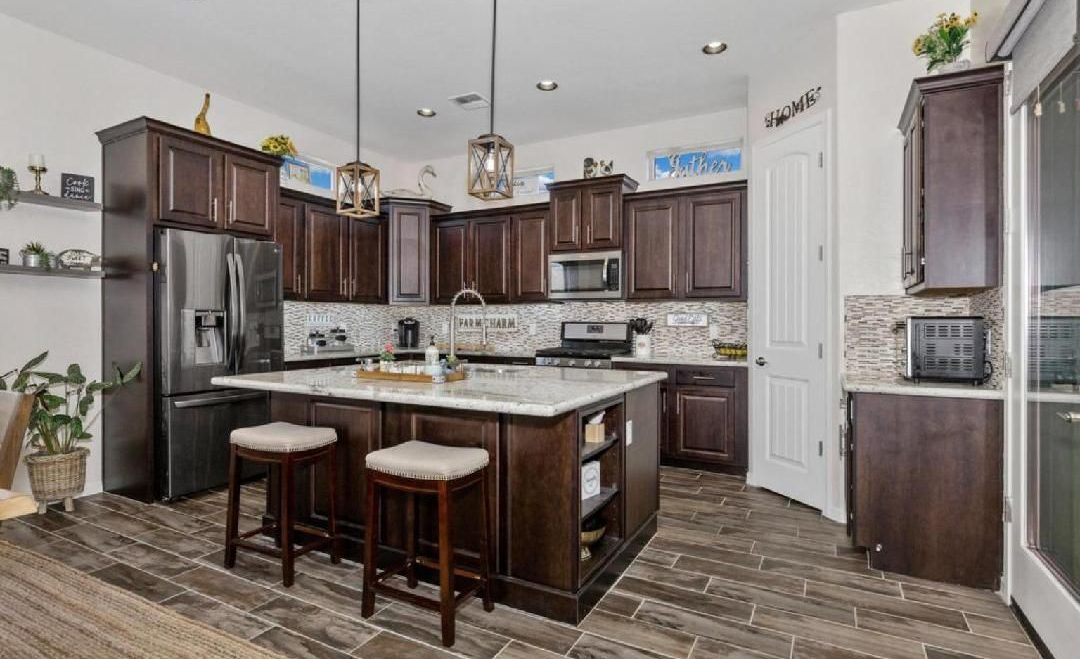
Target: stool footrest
[[459, 571], [382, 587], [276, 553]]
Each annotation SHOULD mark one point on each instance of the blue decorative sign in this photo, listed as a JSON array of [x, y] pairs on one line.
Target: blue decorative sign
[[687, 163]]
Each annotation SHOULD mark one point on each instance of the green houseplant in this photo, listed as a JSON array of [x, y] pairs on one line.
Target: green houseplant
[[58, 425], [34, 255], [944, 42], [9, 187], [279, 145]]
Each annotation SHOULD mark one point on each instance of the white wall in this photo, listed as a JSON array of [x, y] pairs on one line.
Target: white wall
[[52, 103], [626, 146]]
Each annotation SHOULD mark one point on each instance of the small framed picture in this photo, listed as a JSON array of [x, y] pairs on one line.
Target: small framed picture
[[5, 256]]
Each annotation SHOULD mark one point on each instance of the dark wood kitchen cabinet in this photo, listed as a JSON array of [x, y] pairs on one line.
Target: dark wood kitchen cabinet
[[472, 253], [327, 264], [367, 260], [703, 415], [448, 259], [289, 233], [586, 214], [687, 244], [953, 132], [529, 255], [202, 184], [410, 247], [925, 485]]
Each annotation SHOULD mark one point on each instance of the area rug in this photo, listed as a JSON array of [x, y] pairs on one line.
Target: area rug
[[49, 610]]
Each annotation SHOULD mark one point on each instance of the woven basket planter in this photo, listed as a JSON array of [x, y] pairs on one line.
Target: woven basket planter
[[56, 477]]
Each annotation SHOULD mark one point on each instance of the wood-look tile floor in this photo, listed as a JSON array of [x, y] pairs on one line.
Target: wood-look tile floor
[[733, 573]]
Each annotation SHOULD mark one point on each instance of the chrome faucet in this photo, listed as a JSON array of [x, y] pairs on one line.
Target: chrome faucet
[[453, 318]]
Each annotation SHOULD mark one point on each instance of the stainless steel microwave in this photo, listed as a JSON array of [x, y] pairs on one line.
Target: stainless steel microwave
[[585, 276]]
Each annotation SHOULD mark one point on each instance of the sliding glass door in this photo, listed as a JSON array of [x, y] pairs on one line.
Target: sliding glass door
[[1053, 352]]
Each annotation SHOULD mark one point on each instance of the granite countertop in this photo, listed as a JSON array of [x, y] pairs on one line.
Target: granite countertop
[[900, 386], [373, 351], [681, 360], [525, 390]]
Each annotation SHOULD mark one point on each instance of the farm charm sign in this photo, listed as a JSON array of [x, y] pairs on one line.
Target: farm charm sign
[[781, 115]]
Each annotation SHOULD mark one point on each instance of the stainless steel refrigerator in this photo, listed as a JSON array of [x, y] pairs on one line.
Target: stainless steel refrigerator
[[219, 312]]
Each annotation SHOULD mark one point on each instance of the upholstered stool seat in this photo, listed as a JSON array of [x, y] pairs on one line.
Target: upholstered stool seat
[[422, 468], [284, 446], [427, 462], [281, 437]]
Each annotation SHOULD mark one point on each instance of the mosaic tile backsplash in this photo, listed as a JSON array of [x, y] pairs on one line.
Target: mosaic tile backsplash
[[874, 338], [537, 325]]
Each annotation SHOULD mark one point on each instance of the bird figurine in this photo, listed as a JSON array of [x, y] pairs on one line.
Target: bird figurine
[[201, 125], [423, 190]]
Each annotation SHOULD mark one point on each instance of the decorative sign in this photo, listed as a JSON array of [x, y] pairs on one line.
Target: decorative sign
[[5, 256], [688, 320], [780, 115], [695, 161], [531, 182], [495, 322], [307, 175], [77, 186]]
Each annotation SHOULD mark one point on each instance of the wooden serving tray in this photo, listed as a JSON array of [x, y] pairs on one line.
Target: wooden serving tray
[[406, 377]]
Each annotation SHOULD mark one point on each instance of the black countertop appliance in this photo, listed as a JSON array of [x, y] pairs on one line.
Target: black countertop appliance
[[408, 333]]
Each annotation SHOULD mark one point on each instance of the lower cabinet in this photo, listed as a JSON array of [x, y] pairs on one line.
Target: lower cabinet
[[925, 485], [703, 416]]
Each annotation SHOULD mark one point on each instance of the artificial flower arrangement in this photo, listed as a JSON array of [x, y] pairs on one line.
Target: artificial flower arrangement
[[387, 354], [945, 41], [279, 145]]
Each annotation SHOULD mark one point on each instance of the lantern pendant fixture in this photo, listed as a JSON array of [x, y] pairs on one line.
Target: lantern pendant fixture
[[491, 156], [356, 185]]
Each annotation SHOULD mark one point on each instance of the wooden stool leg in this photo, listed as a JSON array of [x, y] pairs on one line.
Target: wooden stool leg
[[410, 539], [232, 519], [446, 564], [371, 539], [335, 544], [486, 544], [276, 468], [285, 521]]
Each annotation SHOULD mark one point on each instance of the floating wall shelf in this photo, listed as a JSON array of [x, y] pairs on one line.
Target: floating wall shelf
[[58, 202], [45, 272]]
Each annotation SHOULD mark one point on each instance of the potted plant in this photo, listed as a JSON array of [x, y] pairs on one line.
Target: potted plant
[[944, 43], [386, 357], [9, 187], [34, 255], [279, 145], [58, 425]]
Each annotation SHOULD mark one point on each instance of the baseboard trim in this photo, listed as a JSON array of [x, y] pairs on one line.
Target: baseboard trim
[[1043, 651]]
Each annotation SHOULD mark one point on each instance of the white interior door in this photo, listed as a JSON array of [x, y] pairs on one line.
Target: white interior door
[[788, 299]]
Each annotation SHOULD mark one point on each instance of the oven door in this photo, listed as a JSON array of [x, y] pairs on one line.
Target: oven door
[[585, 276]]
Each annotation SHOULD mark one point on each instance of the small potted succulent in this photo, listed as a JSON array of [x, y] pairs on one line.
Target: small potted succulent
[[9, 188], [944, 43], [58, 425], [386, 357], [34, 255]]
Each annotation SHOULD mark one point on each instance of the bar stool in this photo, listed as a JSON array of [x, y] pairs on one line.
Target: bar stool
[[422, 468], [287, 446]]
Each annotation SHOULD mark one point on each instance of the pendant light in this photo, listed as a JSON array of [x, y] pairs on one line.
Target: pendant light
[[491, 156], [357, 184]]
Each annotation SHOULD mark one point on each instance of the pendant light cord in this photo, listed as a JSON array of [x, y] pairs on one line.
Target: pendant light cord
[[358, 81], [494, 18]]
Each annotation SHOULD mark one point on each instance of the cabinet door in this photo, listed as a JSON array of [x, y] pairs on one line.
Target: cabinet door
[[289, 233], [911, 259], [652, 248], [705, 429], [410, 236], [190, 183], [251, 194], [713, 254], [448, 261], [601, 213], [565, 211], [358, 428], [530, 252], [367, 261], [326, 256], [489, 258]]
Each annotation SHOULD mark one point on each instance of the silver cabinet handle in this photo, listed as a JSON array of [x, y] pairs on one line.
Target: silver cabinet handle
[[297, 286], [702, 377], [229, 217], [1069, 417], [213, 210], [216, 400]]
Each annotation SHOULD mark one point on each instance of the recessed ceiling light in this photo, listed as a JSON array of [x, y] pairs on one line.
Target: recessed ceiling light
[[714, 48], [547, 85], [427, 113]]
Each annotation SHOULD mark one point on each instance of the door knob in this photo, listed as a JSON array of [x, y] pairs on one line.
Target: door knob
[[760, 361]]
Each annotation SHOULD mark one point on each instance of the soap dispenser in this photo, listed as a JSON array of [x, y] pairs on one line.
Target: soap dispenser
[[431, 355]]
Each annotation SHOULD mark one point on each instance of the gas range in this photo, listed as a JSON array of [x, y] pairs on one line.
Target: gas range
[[587, 345]]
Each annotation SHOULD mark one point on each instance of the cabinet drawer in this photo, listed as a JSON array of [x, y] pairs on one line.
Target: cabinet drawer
[[706, 377]]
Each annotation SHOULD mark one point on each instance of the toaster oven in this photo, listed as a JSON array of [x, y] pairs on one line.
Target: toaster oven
[[947, 348]]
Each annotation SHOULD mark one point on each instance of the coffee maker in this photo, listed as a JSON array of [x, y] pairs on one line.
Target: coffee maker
[[408, 333]]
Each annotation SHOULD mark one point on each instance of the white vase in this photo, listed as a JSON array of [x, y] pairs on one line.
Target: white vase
[[643, 346], [953, 67]]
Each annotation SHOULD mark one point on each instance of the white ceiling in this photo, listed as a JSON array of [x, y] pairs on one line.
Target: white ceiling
[[618, 62]]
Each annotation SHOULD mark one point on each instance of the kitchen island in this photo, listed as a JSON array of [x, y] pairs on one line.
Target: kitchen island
[[531, 420]]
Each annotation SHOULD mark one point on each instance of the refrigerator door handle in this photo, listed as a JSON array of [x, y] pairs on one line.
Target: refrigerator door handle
[[217, 400], [241, 299], [230, 314]]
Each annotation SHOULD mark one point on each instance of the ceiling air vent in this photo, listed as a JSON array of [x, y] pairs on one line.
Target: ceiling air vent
[[470, 101]]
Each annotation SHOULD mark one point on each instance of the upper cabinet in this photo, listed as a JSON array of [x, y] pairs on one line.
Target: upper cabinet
[[367, 261], [529, 252], [251, 191], [289, 233], [410, 253], [326, 234], [472, 253], [586, 214], [687, 244], [953, 182]]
